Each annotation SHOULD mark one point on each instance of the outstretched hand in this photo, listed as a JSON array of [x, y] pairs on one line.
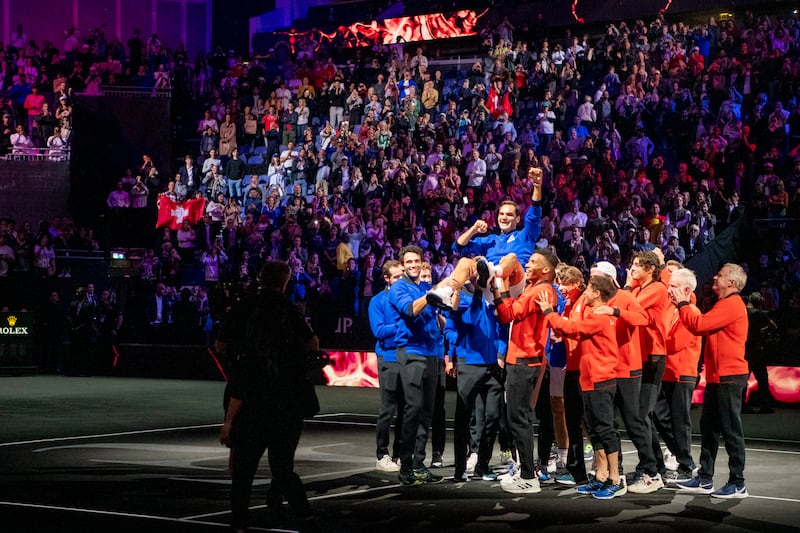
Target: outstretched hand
[[543, 300]]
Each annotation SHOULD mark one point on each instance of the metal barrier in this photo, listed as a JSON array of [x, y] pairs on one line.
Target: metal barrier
[[39, 154], [121, 90]]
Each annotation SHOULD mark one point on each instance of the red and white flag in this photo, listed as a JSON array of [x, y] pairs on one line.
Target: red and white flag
[[173, 214]]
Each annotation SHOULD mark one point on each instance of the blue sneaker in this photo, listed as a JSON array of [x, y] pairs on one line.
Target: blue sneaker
[[544, 476], [460, 478], [611, 490], [591, 487], [485, 474], [566, 479], [696, 485], [731, 491]]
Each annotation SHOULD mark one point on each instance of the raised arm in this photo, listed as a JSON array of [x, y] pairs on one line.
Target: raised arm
[[717, 318]]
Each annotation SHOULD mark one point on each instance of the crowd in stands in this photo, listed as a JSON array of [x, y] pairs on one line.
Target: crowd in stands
[[653, 134]]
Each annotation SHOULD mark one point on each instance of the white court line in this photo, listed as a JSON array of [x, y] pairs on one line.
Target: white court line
[[107, 513], [103, 435], [314, 421], [311, 499], [770, 451], [791, 500]]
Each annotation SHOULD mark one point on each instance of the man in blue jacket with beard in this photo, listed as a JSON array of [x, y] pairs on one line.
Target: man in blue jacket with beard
[[417, 357]]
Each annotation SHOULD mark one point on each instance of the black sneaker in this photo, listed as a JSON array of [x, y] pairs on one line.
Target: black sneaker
[[423, 475], [408, 478], [483, 272]]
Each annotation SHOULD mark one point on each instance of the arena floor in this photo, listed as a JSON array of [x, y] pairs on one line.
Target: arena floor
[[125, 454]]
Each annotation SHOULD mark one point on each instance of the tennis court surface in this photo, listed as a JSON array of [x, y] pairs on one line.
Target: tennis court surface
[[132, 454]]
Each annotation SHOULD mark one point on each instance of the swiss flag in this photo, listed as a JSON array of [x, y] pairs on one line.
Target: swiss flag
[[173, 214]]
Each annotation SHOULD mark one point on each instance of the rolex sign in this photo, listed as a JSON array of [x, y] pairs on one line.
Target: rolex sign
[[15, 327]]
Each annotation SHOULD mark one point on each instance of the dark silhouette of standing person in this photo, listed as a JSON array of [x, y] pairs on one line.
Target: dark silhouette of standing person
[[264, 397]]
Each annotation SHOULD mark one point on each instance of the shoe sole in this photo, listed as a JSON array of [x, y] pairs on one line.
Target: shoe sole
[[621, 492], [646, 490], [483, 274], [682, 490], [734, 496], [437, 302], [582, 490], [566, 483], [675, 481], [521, 491], [382, 469]]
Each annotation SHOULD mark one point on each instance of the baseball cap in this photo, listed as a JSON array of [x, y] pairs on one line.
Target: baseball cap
[[608, 269]]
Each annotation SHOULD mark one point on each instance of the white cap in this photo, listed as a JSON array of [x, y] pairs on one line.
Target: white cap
[[608, 269]]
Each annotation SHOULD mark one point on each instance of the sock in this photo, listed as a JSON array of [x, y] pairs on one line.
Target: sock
[[498, 271]]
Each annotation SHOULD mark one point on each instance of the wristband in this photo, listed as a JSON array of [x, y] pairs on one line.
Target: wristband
[[681, 304]]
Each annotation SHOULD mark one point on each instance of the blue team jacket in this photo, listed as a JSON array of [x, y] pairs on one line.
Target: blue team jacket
[[383, 326], [495, 246], [473, 332], [416, 335]]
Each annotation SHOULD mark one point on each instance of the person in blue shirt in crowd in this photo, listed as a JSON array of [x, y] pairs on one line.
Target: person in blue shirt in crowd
[[384, 328]]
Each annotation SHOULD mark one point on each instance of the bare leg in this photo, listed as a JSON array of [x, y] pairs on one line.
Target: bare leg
[[613, 467], [601, 472], [559, 422]]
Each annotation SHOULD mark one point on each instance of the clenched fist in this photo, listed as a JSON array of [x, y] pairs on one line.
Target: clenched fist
[[536, 175], [480, 226]]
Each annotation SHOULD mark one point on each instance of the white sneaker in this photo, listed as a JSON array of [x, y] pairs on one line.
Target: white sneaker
[[472, 462], [440, 298], [385, 464], [519, 485], [646, 484], [669, 460]]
